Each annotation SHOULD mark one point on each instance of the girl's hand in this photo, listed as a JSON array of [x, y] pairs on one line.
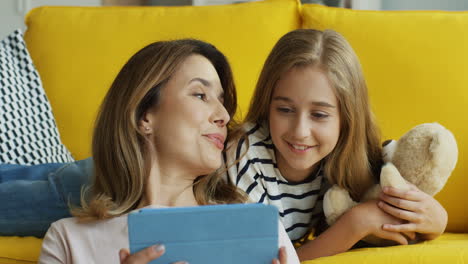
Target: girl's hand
[[367, 219], [143, 256], [423, 213], [282, 257]]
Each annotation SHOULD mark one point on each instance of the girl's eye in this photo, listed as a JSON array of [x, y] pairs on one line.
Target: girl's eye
[[201, 96], [284, 110], [319, 115]]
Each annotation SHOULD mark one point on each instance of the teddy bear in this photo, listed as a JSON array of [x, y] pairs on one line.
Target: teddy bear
[[425, 156]]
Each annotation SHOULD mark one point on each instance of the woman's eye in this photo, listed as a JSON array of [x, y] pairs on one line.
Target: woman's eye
[[284, 110], [201, 96]]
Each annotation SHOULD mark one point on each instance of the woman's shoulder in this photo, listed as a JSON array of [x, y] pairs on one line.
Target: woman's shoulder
[[74, 241], [75, 228]]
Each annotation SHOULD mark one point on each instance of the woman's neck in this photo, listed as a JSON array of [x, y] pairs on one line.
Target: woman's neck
[[168, 188]]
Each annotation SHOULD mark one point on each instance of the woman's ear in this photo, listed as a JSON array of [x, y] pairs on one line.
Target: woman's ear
[[147, 123]]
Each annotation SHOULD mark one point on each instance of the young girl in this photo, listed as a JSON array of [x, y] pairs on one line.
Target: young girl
[[310, 125], [157, 142]]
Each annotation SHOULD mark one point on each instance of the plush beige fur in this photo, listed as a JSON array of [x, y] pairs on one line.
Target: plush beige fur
[[425, 156]]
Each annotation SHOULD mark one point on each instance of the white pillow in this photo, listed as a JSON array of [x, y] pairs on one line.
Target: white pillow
[[28, 133]]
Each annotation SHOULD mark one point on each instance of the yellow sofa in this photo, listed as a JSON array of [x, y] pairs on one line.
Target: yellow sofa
[[415, 63]]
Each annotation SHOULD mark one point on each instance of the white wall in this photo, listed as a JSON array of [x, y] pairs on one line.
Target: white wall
[[12, 12], [450, 5], [366, 4]]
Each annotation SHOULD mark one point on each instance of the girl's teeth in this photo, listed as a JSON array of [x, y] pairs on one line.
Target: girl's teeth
[[299, 147]]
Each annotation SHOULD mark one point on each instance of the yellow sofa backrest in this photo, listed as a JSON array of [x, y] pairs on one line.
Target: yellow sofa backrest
[[415, 63], [78, 51]]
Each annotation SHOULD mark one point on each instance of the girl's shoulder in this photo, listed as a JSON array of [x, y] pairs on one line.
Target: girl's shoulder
[[252, 133]]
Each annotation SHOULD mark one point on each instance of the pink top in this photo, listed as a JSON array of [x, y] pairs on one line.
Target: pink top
[[68, 241]]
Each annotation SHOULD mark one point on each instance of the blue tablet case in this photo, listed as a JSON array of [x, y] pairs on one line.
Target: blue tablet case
[[212, 234]]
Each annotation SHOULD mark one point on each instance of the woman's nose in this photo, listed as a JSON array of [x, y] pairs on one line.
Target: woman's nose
[[221, 116]]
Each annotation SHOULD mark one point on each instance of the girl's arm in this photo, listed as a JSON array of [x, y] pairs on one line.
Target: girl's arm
[[362, 220], [421, 212]]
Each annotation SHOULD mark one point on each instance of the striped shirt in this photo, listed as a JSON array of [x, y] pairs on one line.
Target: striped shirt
[[299, 203]]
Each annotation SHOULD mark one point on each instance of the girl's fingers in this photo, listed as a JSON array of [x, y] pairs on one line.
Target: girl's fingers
[[403, 228], [410, 235], [397, 237], [400, 203], [399, 213], [411, 195]]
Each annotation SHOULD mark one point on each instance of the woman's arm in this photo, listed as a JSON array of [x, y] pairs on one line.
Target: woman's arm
[[362, 220]]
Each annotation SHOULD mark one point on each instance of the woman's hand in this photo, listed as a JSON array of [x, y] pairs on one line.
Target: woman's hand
[[368, 219], [143, 256], [151, 253], [421, 212], [282, 255]]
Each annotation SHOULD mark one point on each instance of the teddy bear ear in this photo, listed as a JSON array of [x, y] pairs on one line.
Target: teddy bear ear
[[386, 142], [388, 150]]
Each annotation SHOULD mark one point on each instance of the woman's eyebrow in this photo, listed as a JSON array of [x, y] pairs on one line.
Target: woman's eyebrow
[[202, 81], [208, 84]]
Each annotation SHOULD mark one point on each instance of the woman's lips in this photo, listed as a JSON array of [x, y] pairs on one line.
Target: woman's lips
[[217, 140]]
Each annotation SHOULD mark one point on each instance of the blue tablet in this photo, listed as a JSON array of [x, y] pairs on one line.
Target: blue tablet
[[212, 234]]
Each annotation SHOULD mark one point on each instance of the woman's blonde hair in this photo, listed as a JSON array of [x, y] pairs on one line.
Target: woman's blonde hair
[[120, 151], [357, 156]]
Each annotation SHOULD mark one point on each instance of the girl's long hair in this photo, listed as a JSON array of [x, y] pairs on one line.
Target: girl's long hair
[[357, 156]]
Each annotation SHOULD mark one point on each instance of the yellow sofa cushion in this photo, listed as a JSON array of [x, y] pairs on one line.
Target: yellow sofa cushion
[[79, 50], [415, 63], [16, 250], [448, 248]]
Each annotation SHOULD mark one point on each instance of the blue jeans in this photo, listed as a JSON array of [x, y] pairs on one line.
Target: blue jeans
[[32, 197]]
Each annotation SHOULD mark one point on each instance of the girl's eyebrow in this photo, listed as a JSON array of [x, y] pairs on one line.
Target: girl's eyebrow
[[316, 103]]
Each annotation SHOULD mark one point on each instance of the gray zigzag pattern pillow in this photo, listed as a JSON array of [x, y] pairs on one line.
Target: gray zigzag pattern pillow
[[28, 132]]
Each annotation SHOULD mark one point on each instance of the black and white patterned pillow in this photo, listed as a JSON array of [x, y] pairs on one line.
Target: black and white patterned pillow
[[28, 133]]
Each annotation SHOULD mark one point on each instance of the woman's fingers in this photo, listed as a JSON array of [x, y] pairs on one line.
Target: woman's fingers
[[283, 258], [142, 256], [282, 255], [123, 254]]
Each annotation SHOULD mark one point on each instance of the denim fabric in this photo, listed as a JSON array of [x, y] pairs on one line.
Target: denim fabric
[[32, 197]]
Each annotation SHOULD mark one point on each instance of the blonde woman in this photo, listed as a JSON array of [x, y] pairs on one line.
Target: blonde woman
[[310, 125], [157, 142]]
